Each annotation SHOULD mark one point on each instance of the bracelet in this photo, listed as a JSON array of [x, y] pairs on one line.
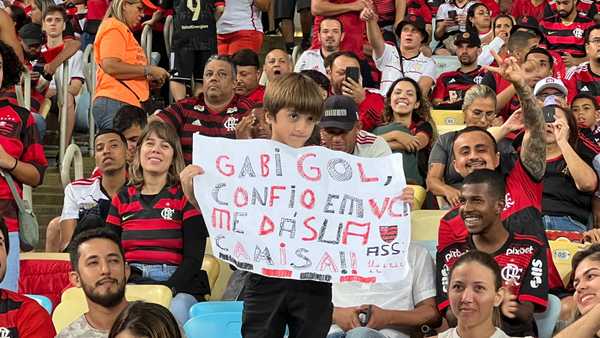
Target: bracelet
[[14, 166]]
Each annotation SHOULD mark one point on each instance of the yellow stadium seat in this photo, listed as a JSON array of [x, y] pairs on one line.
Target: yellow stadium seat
[[73, 303], [562, 254], [62, 256], [445, 128], [424, 228], [448, 117], [211, 265], [420, 194]]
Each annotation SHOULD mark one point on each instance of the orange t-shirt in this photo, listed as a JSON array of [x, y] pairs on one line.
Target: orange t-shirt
[[115, 40]]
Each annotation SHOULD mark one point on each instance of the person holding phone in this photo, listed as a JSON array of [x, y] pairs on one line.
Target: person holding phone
[[451, 19], [569, 180]]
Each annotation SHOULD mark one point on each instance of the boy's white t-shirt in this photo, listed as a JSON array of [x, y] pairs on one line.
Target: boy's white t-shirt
[[391, 70]]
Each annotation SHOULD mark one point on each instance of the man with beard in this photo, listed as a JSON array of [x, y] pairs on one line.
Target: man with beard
[[586, 77], [564, 32], [100, 270], [522, 258], [331, 34], [214, 112], [450, 87], [248, 75], [277, 64]]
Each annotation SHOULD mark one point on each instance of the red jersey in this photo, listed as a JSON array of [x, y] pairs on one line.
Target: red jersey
[[526, 8], [23, 317], [419, 8], [566, 38], [524, 266], [192, 115], [585, 7], [257, 95], [521, 214], [354, 31], [581, 79], [450, 87], [370, 110]]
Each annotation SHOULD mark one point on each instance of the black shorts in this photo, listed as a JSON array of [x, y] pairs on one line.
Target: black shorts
[[188, 63], [284, 9]]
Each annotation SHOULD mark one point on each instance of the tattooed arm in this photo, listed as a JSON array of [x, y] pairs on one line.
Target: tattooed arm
[[533, 149]]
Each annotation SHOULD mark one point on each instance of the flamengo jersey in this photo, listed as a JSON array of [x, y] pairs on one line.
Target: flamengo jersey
[[566, 39], [311, 59], [192, 115], [239, 15], [581, 79], [391, 69], [370, 145], [23, 317], [523, 264], [450, 87], [521, 214], [194, 25], [151, 231]]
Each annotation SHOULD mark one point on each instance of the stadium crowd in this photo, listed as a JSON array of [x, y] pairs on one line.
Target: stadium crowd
[[369, 78]]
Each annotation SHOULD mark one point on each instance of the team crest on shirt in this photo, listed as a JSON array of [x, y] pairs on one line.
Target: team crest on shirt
[[167, 214], [388, 233], [578, 32], [512, 272], [199, 107], [230, 123], [4, 332], [477, 79]]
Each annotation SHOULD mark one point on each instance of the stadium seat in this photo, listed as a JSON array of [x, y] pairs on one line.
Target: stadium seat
[[445, 63], [562, 254], [448, 117], [546, 321], [216, 306], [43, 301], [424, 228], [420, 194], [45, 274], [211, 265], [445, 128], [211, 325], [73, 303]]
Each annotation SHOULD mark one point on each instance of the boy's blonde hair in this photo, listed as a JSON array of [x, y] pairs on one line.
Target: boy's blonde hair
[[296, 92]]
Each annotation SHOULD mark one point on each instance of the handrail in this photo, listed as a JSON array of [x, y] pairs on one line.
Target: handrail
[[72, 155], [168, 33], [147, 41], [89, 72], [24, 100], [62, 92]]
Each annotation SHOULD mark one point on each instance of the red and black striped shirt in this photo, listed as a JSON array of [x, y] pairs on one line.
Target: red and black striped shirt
[[152, 226], [23, 317], [585, 7], [192, 115], [566, 38], [582, 79], [450, 87]]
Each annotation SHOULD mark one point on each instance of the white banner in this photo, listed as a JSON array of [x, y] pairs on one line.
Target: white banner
[[308, 213]]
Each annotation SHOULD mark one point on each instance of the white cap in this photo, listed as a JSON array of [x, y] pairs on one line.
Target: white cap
[[549, 82]]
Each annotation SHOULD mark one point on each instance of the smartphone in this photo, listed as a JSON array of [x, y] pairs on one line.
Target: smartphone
[[452, 14], [352, 73], [38, 68], [549, 109]]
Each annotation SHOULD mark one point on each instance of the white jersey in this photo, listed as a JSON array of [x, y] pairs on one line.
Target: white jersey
[[370, 145], [417, 286], [82, 194], [442, 13], [239, 15], [75, 69], [391, 70], [311, 59]]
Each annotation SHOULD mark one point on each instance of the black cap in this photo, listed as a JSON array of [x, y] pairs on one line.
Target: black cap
[[339, 111], [416, 21], [470, 38], [31, 34], [529, 23]]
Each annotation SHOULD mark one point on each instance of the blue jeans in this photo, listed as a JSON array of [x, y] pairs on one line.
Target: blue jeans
[[182, 302], [105, 110], [563, 223], [11, 278], [40, 123], [359, 332]]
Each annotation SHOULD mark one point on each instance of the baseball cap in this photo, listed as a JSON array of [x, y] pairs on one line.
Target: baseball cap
[[31, 34], [339, 111], [469, 37], [416, 21], [529, 23], [549, 82]]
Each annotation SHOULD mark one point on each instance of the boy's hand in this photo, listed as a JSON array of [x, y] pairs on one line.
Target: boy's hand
[[186, 177], [346, 317]]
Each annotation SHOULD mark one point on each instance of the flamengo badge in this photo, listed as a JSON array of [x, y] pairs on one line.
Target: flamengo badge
[[167, 213], [230, 123]]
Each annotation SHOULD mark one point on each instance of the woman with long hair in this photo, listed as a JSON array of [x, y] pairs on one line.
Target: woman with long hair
[[163, 235], [408, 127], [479, 21], [145, 320], [475, 293], [123, 75], [569, 180], [21, 156]]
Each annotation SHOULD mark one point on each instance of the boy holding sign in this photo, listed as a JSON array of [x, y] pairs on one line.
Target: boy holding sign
[[293, 105]]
